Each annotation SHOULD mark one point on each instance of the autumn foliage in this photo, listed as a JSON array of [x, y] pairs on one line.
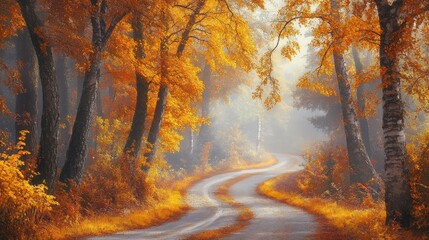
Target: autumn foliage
[[419, 162], [127, 98], [23, 205]]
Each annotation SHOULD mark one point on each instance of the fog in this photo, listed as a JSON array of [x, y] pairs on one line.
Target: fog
[[285, 128]]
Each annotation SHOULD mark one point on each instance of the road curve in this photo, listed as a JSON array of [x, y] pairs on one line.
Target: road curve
[[272, 220]]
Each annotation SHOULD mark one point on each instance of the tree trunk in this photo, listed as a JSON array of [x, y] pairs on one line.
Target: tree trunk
[[79, 90], [100, 112], [361, 169], [47, 158], [152, 138], [363, 121], [163, 90], [192, 143], [77, 150], [135, 137], [397, 184], [26, 102], [63, 84]]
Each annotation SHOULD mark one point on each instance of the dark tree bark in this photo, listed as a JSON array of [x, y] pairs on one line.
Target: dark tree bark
[[79, 90], [163, 90], [155, 127], [100, 111], [77, 150], [63, 84], [26, 102], [397, 184], [47, 158], [152, 138], [135, 137], [361, 169], [363, 121]]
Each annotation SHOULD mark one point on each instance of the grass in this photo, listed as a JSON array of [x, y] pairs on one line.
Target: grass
[[354, 222], [242, 220], [157, 212]]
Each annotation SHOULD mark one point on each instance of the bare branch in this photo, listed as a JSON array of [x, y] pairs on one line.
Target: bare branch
[[323, 58], [197, 38]]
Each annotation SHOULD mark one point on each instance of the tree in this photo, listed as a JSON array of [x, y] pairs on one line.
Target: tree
[[134, 140], [361, 170], [397, 20], [62, 71], [360, 95], [63, 84], [398, 197], [224, 38], [77, 149], [163, 90], [47, 157]]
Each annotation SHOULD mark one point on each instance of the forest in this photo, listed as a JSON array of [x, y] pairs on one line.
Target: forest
[[212, 119]]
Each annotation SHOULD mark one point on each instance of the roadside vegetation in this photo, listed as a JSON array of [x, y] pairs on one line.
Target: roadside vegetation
[[323, 189], [104, 202]]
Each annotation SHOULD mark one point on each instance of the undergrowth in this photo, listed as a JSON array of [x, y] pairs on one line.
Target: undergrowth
[[165, 200]]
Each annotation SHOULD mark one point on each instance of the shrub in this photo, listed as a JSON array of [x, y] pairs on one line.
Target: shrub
[[418, 150], [22, 205], [325, 173]]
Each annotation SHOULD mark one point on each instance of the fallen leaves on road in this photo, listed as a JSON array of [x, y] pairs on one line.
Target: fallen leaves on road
[[242, 220], [355, 223]]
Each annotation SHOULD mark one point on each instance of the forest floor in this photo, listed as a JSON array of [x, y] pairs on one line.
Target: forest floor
[[228, 206]]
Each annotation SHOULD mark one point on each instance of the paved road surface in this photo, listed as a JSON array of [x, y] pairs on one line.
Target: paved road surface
[[272, 220]]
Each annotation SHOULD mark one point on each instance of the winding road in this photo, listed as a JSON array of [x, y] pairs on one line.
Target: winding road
[[272, 220]]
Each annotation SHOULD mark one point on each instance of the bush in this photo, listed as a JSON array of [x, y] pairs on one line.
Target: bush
[[326, 172], [22, 205], [104, 189], [418, 150]]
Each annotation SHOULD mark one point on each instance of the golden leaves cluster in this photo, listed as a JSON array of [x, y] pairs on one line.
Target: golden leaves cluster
[[22, 204]]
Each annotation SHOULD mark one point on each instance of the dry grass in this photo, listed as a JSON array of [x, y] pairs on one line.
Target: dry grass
[[243, 219], [354, 222], [171, 207], [167, 209]]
